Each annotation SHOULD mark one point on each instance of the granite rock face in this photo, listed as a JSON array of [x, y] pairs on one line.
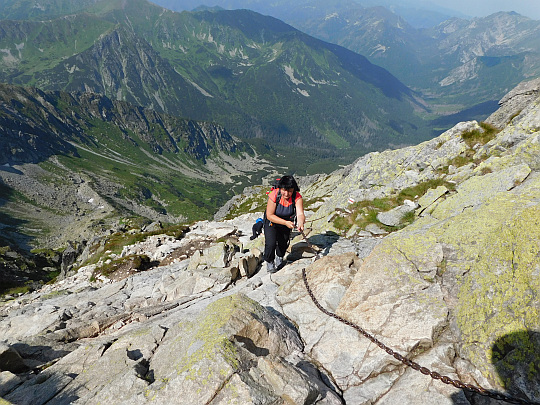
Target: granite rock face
[[457, 291], [516, 102]]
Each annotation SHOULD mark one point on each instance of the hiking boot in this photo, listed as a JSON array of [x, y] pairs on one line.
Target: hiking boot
[[270, 267], [278, 262]]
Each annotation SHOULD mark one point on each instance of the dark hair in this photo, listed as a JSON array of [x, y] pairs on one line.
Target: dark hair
[[288, 182]]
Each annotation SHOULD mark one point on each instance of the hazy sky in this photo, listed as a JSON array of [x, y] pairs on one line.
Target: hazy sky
[[482, 8]]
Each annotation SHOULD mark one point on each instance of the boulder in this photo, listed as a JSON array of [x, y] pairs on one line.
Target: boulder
[[69, 256], [156, 247], [11, 360], [217, 255], [230, 351], [248, 262], [515, 102], [153, 227], [376, 230], [396, 215], [427, 201]]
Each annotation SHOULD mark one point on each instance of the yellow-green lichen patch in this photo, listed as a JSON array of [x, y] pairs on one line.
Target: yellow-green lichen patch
[[417, 247], [526, 152], [200, 352], [209, 337], [479, 190], [493, 237], [500, 293], [529, 151]]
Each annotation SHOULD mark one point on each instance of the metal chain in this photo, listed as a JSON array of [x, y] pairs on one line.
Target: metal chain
[[433, 374]]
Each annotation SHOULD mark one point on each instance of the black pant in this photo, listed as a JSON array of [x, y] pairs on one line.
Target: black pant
[[276, 240]]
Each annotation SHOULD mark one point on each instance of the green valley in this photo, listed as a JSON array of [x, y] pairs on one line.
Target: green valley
[[85, 158]]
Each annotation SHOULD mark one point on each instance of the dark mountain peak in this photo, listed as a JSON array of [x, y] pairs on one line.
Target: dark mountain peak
[[385, 16], [507, 24], [451, 24], [507, 14], [208, 8], [31, 126], [381, 10], [482, 22], [249, 22]]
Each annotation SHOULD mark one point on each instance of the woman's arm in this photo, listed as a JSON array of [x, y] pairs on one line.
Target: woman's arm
[[300, 216]]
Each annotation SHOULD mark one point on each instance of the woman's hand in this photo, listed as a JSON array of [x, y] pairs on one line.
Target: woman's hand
[[289, 224]]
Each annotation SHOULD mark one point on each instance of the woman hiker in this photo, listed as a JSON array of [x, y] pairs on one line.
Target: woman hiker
[[284, 207]]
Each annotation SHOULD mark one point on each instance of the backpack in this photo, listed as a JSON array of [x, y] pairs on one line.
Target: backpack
[[257, 228]]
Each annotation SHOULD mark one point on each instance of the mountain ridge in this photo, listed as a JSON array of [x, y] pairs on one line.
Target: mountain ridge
[[445, 49], [465, 71], [219, 66]]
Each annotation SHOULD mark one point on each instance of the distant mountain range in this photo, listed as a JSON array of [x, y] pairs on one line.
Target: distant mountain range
[[424, 15], [457, 63], [462, 67], [418, 13], [255, 75]]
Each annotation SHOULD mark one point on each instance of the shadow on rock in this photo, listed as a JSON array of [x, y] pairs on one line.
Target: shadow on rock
[[7, 168], [23, 373], [37, 355], [321, 243], [516, 359]]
